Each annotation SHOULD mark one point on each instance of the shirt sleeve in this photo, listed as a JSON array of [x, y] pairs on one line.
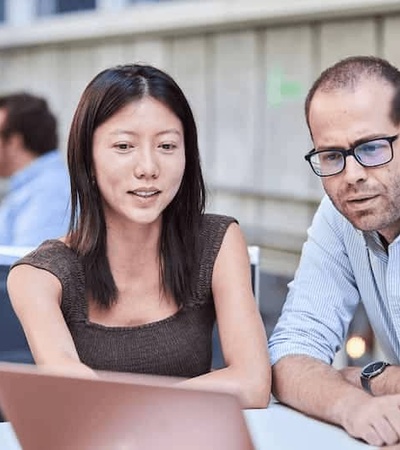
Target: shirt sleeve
[[323, 296]]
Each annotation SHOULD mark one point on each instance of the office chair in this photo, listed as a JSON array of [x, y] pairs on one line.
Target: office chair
[[13, 344]]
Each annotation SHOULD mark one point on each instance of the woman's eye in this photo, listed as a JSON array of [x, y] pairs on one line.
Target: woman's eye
[[167, 146], [122, 146]]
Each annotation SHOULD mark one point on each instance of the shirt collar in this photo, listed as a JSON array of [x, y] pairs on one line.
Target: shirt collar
[[32, 170], [374, 243], [373, 240]]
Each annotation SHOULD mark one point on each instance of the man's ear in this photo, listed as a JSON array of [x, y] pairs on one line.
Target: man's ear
[[15, 141]]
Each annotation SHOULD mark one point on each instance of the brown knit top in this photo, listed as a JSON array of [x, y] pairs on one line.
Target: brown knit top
[[179, 345]]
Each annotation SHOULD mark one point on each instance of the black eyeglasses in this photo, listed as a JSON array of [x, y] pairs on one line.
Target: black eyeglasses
[[375, 152]]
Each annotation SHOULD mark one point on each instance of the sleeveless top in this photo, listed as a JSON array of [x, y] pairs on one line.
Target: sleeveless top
[[179, 345]]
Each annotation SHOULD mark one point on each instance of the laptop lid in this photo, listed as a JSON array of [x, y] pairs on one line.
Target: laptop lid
[[117, 412]]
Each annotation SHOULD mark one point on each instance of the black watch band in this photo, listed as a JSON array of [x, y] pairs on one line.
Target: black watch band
[[370, 371], [366, 385]]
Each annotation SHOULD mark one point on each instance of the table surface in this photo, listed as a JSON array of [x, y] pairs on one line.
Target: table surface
[[276, 427], [279, 427]]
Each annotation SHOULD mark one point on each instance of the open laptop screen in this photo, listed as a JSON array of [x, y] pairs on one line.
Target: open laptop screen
[[117, 412]]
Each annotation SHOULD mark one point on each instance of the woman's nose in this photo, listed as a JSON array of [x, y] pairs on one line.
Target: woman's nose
[[146, 165]]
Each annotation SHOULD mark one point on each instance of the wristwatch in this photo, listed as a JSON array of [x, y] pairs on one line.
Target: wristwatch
[[370, 371]]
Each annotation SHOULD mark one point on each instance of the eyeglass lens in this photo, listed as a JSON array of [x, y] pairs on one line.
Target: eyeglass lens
[[373, 153]]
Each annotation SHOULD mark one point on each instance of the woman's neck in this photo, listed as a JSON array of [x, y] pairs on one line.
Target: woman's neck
[[133, 250]]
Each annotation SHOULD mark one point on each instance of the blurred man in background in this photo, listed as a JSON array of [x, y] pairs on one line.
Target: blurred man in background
[[36, 204]]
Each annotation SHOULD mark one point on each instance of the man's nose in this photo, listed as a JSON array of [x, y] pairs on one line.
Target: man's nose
[[354, 171]]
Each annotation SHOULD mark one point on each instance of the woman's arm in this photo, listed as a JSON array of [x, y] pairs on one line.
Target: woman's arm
[[244, 343], [35, 295]]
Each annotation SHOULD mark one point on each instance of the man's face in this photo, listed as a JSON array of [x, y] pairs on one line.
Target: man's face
[[369, 197]]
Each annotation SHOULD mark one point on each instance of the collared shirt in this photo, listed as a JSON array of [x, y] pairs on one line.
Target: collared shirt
[[37, 204], [339, 267]]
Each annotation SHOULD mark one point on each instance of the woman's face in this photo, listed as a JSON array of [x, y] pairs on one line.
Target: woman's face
[[139, 161]]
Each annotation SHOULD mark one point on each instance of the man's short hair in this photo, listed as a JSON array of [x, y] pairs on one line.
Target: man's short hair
[[30, 117], [348, 72]]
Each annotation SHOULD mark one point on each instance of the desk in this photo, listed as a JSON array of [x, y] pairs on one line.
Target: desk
[[274, 428], [281, 428]]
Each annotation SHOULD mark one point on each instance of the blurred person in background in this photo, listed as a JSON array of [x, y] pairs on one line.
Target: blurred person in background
[[36, 204], [352, 254]]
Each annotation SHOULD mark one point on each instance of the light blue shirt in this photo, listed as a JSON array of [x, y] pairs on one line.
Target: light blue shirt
[[37, 204], [339, 266]]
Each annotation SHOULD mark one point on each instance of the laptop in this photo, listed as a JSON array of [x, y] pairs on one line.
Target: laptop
[[53, 411]]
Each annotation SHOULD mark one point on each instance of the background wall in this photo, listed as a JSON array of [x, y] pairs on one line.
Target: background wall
[[245, 67]]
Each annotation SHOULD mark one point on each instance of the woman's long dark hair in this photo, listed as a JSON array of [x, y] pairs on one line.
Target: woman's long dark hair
[[107, 93]]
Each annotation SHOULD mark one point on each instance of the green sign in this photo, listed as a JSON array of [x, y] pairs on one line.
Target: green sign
[[282, 89]]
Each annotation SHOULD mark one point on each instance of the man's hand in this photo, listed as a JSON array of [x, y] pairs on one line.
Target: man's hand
[[321, 391], [376, 420]]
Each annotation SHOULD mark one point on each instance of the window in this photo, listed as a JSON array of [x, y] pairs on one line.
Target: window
[[147, 1], [74, 5], [2, 18], [47, 7]]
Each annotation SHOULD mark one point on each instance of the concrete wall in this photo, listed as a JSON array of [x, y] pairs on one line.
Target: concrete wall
[[245, 67]]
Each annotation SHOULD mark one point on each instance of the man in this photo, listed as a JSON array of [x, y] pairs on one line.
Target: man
[[36, 205], [352, 254]]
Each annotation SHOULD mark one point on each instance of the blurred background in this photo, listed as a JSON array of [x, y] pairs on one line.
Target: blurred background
[[246, 66]]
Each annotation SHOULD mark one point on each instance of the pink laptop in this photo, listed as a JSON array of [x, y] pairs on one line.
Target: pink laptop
[[52, 411]]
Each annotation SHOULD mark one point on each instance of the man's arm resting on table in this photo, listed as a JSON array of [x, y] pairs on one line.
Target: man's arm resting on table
[[386, 383], [319, 390]]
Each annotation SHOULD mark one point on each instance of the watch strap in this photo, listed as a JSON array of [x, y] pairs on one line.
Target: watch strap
[[366, 385], [366, 377]]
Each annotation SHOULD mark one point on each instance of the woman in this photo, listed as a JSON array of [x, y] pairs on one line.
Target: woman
[[137, 282]]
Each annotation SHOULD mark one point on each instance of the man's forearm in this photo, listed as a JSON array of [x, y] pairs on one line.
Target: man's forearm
[[323, 392], [314, 388]]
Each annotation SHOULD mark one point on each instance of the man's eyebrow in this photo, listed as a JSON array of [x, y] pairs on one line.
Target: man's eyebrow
[[368, 138], [356, 143]]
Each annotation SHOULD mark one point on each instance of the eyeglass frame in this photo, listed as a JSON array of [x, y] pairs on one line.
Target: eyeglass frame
[[351, 152]]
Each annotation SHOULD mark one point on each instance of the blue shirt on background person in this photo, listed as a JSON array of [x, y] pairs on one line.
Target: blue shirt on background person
[[36, 206]]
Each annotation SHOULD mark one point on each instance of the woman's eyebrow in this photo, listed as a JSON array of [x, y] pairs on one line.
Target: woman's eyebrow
[[170, 130], [121, 131]]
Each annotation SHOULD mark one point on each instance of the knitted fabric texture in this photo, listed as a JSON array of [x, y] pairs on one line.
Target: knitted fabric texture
[[179, 345]]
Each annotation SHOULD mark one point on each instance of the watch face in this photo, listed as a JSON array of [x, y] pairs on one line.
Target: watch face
[[374, 368]]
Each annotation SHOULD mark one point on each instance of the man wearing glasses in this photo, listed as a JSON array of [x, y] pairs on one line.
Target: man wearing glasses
[[352, 254]]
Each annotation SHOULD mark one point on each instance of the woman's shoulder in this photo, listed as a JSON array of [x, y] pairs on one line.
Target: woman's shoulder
[[57, 258], [213, 228], [51, 248], [53, 255], [212, 232], [212, 222]]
